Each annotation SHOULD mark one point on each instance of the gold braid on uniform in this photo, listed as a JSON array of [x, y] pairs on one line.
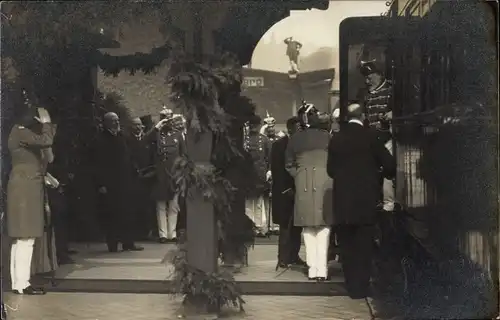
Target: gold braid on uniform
[[202, 92]]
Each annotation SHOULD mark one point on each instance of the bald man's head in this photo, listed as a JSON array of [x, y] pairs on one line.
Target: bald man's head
[[111, 122], [355, 111]]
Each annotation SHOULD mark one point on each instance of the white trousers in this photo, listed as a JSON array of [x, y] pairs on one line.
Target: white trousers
[[294, 67], [167, 214], [21, 254], [388, 186], [316, 240], [256, 210]]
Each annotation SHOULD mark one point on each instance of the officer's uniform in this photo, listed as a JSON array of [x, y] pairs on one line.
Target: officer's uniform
[[270, 122], [170, 146], [258, 148], [378, 107]]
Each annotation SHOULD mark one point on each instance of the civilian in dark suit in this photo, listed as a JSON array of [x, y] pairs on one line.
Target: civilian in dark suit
[[355, 158], [141, 150], [283, 200], [114, 174]]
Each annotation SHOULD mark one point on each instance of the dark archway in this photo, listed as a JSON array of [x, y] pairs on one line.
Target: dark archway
[[245, 24]]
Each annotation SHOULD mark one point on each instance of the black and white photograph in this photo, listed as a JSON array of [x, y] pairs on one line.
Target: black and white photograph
[[241, 159]]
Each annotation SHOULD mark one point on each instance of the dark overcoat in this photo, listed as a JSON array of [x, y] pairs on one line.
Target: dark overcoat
[[306, 156], [282, 184], [25, 189], [114, 170], [355, 160]]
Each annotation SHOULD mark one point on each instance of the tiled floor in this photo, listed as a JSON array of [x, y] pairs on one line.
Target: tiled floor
[[94, 262], [93, 306]]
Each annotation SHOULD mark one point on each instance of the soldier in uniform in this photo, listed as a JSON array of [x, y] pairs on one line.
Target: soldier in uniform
[[269, 130], [306, 157], [379, 115], [169, 146], [258, 148]]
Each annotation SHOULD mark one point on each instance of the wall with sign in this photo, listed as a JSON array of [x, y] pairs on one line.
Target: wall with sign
[[276, 93]]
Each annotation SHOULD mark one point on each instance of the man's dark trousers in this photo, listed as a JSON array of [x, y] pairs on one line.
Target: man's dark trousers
[[356, 242], [118, 221], [289, 242]]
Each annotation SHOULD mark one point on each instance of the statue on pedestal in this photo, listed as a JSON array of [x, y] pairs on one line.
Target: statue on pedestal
[[292, 51]]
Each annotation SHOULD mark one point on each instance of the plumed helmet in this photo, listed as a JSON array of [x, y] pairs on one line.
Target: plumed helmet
[[369, 67], [307, 113], [269, 120], [165, 112]]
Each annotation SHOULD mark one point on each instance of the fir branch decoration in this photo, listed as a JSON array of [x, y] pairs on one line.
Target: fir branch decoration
[[196, 91], [206, 178], [216, 290]]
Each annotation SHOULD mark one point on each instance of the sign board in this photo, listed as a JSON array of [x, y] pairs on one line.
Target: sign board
[[253, 82]]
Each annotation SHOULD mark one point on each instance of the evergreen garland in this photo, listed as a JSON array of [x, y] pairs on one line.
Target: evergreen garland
[[145, 62]]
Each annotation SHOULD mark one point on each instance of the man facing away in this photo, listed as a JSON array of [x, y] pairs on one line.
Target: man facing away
[[306, 158], [114, 176], [283, 201], [355, 157]]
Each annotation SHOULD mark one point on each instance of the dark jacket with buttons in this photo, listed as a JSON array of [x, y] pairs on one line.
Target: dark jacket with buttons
[[306, 157], [169, 146]]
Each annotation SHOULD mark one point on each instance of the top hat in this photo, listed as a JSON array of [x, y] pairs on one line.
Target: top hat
[[306, 113], [369, 67]]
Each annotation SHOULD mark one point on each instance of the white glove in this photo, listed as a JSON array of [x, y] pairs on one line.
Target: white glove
[[268, 175], [161, 123], [336, 113], [51, 182]]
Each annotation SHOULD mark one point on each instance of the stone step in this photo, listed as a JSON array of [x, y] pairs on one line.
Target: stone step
[[334, 287]]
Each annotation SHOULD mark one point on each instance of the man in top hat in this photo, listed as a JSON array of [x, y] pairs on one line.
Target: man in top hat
[[378, 107]]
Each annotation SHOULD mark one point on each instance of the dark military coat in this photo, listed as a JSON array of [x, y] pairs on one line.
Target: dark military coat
[[282, 184], [258, 148], [378, 104], [169, 146], [306, 157]]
